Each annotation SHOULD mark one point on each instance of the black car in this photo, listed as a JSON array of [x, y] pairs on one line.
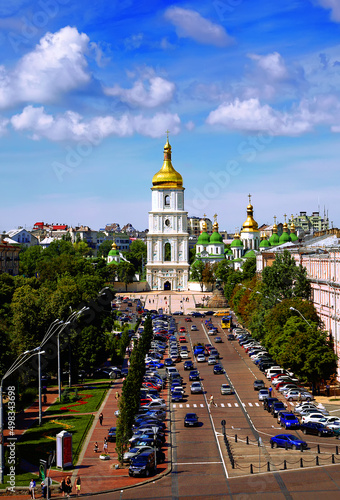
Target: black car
[[194, 375], [111, 435], [209, 313], [276, 407], [259, 384], [231, 336], [190, 419], [218, 369], [188, 365], [267, 403], [197, 314], [316, 428], [143, 464]]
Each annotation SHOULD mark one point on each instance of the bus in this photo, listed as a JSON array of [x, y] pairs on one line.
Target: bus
[[226, 321]]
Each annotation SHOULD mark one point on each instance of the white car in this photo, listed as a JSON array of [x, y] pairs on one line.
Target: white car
[[287, 387], [184, 354], [258, 355], [193, 328], [212, 360], [263, 394], [200, 358], [312, 417], [297, 395]]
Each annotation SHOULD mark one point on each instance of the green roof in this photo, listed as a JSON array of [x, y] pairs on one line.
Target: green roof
[[284, 238], [236, 243], [250, 254], [264, 243], [216, 238], [113, 253], [112, 262], [293, 237], [274, 239], [203, 239]]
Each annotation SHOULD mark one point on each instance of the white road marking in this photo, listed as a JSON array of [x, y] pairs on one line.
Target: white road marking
[[250, 404], [181, 406], [222, 404], [188, 406], [201, 405], [229, 404], [257, 404], [174, 405], [236, 404], [194, 405]]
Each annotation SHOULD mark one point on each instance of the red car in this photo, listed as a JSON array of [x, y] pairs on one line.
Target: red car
[[182, 329], [188, 320], [182, 339], [149, 385]]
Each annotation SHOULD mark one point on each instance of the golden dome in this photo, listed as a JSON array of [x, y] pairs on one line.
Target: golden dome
[[275, 225], [250, 225], [204, 226], [292, 225], [167, 177]]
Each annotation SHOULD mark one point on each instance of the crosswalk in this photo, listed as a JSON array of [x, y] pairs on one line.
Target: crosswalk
[[221, 405]]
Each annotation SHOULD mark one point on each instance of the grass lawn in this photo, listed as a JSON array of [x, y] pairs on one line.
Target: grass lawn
[[91, 396], [39, 441]]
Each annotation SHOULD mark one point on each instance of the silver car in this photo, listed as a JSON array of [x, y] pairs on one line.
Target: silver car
[[263, 394], [196, 388], [226, 389], [212, 360]]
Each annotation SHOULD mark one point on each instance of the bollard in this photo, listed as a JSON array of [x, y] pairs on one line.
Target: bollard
[[286, 445], [268, 466], [333, 460], [235, 438], [251, 469], [318, 448], [271, 444], [301, 449], [337, 450], [247, 440], [316, 460], [285, 465], [301, 462]]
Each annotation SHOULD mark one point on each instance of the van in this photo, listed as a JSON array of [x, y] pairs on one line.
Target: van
[[143, 464], [274, 370], [170, 370]]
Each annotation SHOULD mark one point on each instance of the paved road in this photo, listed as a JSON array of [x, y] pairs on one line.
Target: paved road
[[201, 468]]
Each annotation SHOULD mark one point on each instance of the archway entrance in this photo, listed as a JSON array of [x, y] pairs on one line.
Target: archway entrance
[[167, 285]]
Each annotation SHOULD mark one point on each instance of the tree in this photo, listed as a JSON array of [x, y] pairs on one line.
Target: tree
[[284, 279], [28, 259], [208, 277], [82, 248], [126, 272], [196, 272], [104, 248], [137, 255], [91, 348], [223, 270], [249, 268]]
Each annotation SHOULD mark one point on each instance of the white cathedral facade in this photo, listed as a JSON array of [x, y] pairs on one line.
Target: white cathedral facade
[[167, 265]]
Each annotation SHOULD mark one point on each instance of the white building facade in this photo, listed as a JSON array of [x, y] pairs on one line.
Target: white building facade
[[168, 239]]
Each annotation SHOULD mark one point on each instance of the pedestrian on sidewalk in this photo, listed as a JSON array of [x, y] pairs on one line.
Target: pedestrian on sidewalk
[[212, 401], [95, 448], [68, 486], [270, 391], [32, 488], [78, 486], [101, 416], [117, 396], [105, 448]]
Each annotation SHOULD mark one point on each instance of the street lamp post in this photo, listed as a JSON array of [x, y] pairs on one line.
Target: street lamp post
[[25, 356], [39, 353], [302, 316], [155, 429]]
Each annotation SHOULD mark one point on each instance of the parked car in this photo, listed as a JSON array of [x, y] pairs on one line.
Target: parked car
[[312, 417], [196, 388], [316, 428], [297, 395], [143, 464], [263, 394], [276, 407], [267, 403], [111, 435], [289, 421], [177, 396], [190, 420], [259, 384], [226, 389], [287, 441]]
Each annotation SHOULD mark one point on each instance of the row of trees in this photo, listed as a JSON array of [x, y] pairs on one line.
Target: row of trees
[[130, 398], [268, 307]]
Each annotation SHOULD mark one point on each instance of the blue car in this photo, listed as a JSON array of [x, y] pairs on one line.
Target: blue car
[[287, 441], [155, 364], [168, 362], [190, 419], [194, 375], [289, 421], [177, 396], [198, 350]]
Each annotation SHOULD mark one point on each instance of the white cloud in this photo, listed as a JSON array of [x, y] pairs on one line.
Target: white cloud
[[157, 91], [190, 125], [273, 64], [56, 65], [3, 126], [334, 6], [191, 24], [250, 116], [72, 127]]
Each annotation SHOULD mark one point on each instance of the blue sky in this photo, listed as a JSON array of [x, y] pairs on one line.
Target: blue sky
[[87, 90]]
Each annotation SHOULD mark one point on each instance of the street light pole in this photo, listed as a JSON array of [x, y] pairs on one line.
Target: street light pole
[[302, 316]]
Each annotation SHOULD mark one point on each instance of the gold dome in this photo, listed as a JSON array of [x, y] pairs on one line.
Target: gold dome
[[250, 225], [167, 177], [292, 225]]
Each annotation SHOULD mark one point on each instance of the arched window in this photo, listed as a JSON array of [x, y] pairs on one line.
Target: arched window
[[167, 201], [167, 252]]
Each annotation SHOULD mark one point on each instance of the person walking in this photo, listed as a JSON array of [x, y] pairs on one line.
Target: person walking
[[68, 486], [63, 486], [95, 449], [105, 447], [101, 417], [78, 486], [32, 488], [270, 391], [211, 401], [117, 396]]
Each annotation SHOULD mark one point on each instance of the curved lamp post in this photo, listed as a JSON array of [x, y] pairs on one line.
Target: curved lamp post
[[302, 316]]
